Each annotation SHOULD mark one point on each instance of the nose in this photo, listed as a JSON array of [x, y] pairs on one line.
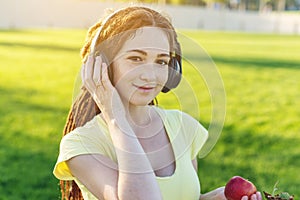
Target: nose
[[148, 73]]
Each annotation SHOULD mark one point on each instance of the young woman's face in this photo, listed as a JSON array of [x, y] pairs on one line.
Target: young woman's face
[[140, 69]]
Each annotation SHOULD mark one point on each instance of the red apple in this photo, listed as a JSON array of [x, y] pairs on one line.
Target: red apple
[[237, 187]]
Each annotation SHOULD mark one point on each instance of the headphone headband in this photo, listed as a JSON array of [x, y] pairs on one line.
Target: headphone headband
[[96, 36]]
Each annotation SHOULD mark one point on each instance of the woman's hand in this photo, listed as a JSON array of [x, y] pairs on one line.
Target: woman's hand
[[256, 196], [95, 78], [218, 194]]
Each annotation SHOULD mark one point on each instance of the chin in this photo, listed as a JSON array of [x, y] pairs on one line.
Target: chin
[[143, 99]]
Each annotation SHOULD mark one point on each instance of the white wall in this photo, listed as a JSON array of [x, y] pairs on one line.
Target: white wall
[[83, 13], [199, 18]]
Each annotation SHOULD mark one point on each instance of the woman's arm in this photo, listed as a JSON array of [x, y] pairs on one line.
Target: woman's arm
[[98, 173], [133, 177], [136, 178], [217, 194]]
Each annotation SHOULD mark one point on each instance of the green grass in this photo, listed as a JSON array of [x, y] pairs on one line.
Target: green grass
[[37, 74], [261, 133], [259, 141]]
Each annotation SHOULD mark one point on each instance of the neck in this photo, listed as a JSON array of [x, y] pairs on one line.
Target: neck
[[139, 116]]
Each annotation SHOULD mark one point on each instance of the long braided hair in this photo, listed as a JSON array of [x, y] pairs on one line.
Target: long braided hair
[[84, 108]]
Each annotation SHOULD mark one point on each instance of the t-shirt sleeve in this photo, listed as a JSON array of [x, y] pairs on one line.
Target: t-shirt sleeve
[[200, 138], [196, 134], [85, 140]]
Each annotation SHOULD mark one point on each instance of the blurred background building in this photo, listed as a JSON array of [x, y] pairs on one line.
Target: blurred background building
[[271, 16]]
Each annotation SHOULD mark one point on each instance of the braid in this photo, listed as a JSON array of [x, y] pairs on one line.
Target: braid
[[82, 111]]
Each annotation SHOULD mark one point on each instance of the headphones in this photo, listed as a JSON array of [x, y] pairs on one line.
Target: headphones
[[174, 65]]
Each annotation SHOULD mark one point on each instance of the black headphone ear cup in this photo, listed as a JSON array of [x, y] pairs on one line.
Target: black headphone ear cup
[[174, 75]]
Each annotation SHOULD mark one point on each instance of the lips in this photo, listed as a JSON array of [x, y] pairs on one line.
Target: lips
[[145, 88]]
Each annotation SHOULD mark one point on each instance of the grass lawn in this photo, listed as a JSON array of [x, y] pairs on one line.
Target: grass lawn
[[260, 137]]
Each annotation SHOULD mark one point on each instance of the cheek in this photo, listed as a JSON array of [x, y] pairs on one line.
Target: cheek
[[162, 75], [122, 75]]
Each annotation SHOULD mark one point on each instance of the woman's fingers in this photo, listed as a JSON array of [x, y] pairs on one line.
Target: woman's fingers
[[88, 73], [82, 72], [95, 78], [95, 73], [104, 77], [97, 70], [244, 198], [254, 197], [258, 196]]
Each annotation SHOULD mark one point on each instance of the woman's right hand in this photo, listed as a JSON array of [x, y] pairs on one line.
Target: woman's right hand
[[218, 194], [256, 196], [94, 74]]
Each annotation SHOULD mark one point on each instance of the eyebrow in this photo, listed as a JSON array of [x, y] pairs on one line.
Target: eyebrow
[[145, 53]]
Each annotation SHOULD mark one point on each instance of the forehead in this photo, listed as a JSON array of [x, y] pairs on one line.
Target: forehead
[[148, 38]]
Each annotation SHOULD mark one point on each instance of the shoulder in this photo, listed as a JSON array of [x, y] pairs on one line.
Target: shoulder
[[180, 120], [193, 133], [92, 133], [92, 127], [177, 115]]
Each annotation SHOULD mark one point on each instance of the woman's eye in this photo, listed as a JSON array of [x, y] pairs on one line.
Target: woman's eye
[[162, 62], [135, 58]]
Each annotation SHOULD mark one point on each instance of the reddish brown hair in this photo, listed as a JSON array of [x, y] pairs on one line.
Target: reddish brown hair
[[84, 108]]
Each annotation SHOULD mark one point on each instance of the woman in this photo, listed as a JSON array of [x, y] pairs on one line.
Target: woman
[[117, 143]]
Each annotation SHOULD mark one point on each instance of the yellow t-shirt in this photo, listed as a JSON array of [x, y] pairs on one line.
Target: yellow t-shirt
[[186, 135]]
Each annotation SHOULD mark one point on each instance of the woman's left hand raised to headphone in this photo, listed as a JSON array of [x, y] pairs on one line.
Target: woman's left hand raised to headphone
[[94, 74], [130, 177]]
